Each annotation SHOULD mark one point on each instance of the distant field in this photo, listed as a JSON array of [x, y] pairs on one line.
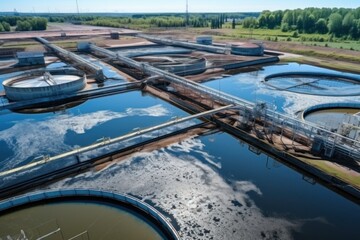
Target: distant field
[[338, 55], [351, 45], [277, 35]]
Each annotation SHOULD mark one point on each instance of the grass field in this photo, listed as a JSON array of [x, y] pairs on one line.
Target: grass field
[[342, 55], [277, 35], [345, 175], [351, 45]]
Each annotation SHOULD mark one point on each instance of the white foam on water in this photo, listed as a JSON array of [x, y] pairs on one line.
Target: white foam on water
[[28, 138], [204, 205], [294, 102]]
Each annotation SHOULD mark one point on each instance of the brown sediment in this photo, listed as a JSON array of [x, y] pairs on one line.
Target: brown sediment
[[126, 42], [209, 74]]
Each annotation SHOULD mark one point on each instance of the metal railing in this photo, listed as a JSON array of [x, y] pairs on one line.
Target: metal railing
[[345, 144], [172, 42], [109, 141], [99, 75], [39, 196], [147, 68]]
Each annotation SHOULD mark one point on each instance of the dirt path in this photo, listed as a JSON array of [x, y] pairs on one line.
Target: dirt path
[[333, 58]]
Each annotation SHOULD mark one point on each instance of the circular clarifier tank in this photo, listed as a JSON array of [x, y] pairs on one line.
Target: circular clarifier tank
[[247, 49], [314, 83], [178, 64], [331, 115], [41, 83], [97, 215]]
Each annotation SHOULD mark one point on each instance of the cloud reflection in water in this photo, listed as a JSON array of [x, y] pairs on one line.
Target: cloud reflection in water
[[30, 138], [191, 190]]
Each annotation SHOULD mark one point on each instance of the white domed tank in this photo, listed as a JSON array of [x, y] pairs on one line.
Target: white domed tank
[[204, 40], [41, 83], [247, 49]]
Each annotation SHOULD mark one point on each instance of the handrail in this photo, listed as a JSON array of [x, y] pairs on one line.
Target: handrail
[[197, 46], [39, 196], [99, 75], [308, 128], [108, 141]]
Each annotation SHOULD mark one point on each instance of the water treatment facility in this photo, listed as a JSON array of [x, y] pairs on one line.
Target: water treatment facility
[[116, 132]]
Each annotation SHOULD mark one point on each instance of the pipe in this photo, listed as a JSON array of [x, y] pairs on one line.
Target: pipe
[[147, 68], [109, 141], [311, 130], [171, 42], [99, 75]]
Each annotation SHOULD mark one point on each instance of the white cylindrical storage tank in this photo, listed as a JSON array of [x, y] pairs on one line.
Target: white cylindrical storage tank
[[204, 40], [247, 49], [40, 83]]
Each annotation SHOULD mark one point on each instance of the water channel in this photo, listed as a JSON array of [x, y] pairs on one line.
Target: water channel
[[249, 85], [24, 137], [212, 186]]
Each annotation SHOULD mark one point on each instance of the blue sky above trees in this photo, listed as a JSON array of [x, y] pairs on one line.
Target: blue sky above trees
[[168, 5]]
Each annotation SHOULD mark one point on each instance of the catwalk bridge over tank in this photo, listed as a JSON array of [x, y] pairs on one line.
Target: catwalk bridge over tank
[[283, 135], [315, 139], [43, 168]]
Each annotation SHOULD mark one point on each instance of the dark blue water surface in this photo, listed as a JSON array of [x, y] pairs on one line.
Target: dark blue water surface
[[212, 186], [26, 136], [249, 86], [322, 213]]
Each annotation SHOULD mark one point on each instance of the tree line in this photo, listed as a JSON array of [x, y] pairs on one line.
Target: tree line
[[218, 21], [22, 23], [197, 20], [153, 21], [340, 22]]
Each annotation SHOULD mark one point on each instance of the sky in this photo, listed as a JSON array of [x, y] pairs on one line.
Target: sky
[[126, 6]]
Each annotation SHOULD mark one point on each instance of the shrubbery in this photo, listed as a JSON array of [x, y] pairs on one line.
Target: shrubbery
[[22, 23], [340, 22]]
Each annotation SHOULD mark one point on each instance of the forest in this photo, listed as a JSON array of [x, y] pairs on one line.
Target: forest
[[339, 22], [22, 23], [196, 20]]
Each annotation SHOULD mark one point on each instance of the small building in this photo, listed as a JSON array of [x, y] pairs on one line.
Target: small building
[[30, 58], [114, 35], [83, 46], [204, 40]]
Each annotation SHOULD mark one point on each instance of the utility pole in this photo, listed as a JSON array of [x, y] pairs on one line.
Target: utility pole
[[77, 6], [187, 13]]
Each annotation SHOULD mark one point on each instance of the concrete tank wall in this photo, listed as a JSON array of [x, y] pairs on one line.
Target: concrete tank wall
[[19, 94], [247, 49], [204, 40], [194, 67], [127, 201], [325, 106]]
